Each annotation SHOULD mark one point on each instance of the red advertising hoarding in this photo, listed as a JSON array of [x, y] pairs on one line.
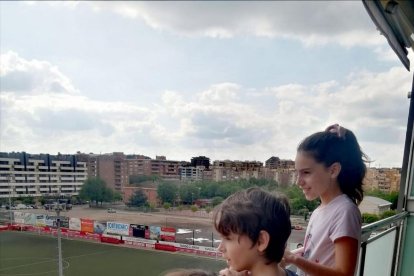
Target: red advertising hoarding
[[167, 234], [87, 225]]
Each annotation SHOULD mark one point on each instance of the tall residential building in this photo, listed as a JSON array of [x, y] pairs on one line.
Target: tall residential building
[[200, 161], [277, 163], [36, 175], [138, 165], [191, 173], [383, 179], [234, 170]]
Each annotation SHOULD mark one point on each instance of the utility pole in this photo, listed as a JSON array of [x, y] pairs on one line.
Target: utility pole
[[59, 238], [10, 190]]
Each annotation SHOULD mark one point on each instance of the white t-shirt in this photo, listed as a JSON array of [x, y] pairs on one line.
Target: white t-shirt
[[340, 218]]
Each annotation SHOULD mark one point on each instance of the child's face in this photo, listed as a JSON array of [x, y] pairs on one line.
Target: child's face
[[239, 251], [313, 178]]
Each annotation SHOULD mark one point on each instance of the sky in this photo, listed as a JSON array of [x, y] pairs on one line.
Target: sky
[[227, 80]]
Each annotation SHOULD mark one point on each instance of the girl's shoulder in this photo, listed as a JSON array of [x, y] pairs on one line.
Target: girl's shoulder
[[343, 202]]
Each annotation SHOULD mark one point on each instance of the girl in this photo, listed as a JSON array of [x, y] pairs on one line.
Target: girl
[[330, 166]]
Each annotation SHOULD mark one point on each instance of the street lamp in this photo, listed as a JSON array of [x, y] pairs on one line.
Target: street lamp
[[10, 190], [58, 208]]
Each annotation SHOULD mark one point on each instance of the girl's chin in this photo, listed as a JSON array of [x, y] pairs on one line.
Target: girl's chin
[[310, 197]]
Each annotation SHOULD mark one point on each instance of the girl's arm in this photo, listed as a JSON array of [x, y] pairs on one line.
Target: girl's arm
[[346, 249]]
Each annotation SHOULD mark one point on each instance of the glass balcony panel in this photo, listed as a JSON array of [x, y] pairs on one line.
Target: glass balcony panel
[[379, 254], [408, 252]]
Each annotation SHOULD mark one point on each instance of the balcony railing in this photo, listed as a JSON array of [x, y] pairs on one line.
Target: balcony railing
[[380, 246]]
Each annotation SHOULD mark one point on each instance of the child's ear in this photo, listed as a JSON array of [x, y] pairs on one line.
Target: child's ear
[[335, 169], [263, 241]]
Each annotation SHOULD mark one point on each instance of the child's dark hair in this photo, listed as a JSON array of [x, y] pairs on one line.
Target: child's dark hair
[[250, 211], [338, 144]]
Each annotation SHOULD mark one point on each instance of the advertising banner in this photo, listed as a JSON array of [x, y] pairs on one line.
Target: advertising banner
[[200, 250], [64, 222], [167, 234], [155, 232], [139, 231], [99, 227], [50, 221], [40, 220], [119, 228], [18, 217], [138, 242], [75, 224], [24, 218], [87, 225]]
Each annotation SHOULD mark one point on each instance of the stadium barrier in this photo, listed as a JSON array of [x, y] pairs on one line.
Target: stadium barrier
[[123, 234], [4, 227], [114, 239]]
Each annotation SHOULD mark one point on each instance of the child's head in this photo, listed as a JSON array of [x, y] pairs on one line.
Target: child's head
[[338, 145], [254, 224]]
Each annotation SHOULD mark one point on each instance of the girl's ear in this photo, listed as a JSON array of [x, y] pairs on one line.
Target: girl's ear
[[335, 169], [263, 241]]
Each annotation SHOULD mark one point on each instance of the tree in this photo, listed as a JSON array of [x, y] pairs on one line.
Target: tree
[[189, 193], [167, 192], [217, 200], [166, 205], [138, 199], [117, 196], [194, 208], [28, 200], [95, 190]]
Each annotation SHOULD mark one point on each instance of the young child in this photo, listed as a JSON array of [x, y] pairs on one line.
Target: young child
[[254, 226], [330, 166]]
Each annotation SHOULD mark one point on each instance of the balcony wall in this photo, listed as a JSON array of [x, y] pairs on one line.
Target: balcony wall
[[387, 247]]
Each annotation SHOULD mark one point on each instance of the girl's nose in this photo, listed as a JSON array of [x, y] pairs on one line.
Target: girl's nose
[[221, 247]]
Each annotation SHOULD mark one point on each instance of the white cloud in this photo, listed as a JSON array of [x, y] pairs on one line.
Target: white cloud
[[219, 122], [311, 22], [32, 76]]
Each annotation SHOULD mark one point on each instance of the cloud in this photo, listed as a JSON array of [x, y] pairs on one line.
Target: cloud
[[219, 121], [373, 105], [311, 22], [32, 76]]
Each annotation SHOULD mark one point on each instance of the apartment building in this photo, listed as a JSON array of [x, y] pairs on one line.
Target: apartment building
[[91, 161], [277, 163], [191, 173], [166, 169], [138, 165], [383, 179], [234, 170], [196, 170], [200, 161], [36, 175]]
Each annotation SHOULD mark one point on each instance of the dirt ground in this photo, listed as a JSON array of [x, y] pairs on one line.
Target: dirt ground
[[192, 227]]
